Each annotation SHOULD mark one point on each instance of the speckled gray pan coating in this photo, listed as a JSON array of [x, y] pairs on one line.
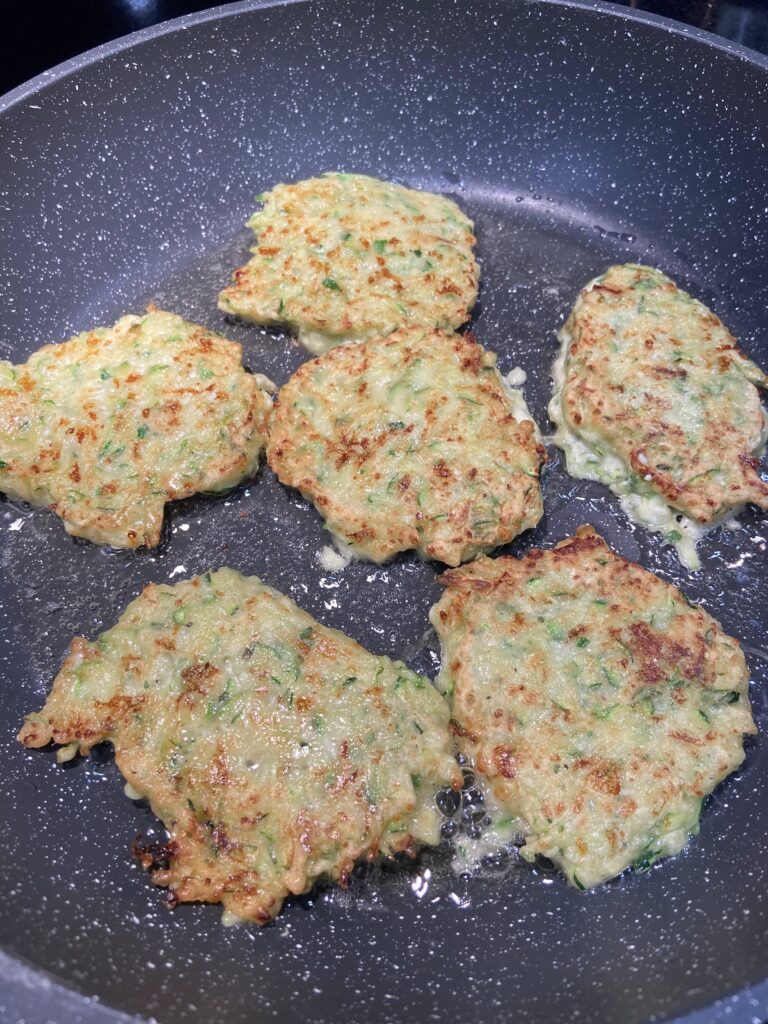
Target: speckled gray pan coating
[[575, 137]]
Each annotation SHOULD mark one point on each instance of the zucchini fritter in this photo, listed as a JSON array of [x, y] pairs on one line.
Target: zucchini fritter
[[275, 751], [345, 257], [110, 425], [598, 704], [410, 441], [654, 398]]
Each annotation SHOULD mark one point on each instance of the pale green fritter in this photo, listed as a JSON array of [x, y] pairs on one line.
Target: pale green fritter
[[110, 425], [654, 398], [598, 704], [345, 258], [276, 751], [410, 442]]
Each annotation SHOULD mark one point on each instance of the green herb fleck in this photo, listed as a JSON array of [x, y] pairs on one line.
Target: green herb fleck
[[215, 707], [611, 678], [627, 649], [555, 631], [605, 711], [647, 858], [644, 284]]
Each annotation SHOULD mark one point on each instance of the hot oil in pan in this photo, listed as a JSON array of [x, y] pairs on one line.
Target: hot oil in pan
[[535, 255]]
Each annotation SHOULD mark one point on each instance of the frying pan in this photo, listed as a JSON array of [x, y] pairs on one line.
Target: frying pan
[[575, 134]]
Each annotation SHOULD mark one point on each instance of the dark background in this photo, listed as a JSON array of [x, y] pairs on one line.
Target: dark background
[[36, 34]]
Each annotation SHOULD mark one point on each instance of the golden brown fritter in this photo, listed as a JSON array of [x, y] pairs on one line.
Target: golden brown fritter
[[110, 425], [654, 398], [410, 441], [598, 704], [275, 751], [345, 257]]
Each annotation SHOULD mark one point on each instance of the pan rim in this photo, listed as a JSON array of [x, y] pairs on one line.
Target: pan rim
[[97, 53], [31, 988]]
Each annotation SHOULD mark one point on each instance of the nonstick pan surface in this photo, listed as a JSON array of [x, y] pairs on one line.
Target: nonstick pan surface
[[576, 135]]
